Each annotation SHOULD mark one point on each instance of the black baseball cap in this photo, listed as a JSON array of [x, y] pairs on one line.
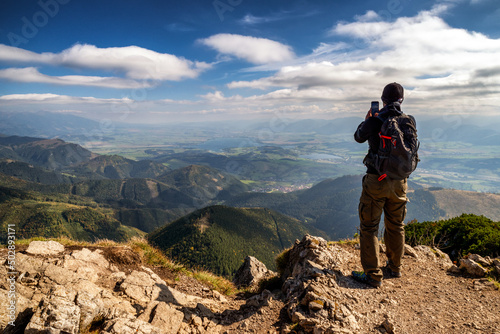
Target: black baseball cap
[[393, 92]]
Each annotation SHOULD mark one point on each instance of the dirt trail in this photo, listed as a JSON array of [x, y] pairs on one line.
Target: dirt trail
[[426, 299]]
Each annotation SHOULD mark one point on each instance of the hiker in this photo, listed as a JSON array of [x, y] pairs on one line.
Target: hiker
[[383, 191]]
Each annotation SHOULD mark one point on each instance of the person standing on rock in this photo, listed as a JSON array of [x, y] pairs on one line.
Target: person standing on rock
[[384, 190]]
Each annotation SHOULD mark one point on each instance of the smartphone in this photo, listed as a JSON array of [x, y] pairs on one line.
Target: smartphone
[[374, 108]]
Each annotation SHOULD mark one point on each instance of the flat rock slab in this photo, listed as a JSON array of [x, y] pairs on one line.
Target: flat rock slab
[[45, 248]]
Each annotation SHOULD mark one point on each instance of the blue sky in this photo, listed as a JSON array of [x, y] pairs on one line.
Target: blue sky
[[165, 61]]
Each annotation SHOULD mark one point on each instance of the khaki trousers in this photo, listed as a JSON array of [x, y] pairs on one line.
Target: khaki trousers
[[388, 196]]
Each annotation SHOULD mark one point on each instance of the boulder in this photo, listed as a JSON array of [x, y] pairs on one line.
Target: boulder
[[472, 268], [140, 286], [30, 264], [89, 300], [479, 259], [496, 265], [410, 251], [167, 317], [251, 273], [87, 264], [60, 275], [314, 299], [433, 254], [44, 248], [56, 314]]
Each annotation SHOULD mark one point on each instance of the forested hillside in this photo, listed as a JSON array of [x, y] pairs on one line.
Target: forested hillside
[[219, 237], [35, 215], [46, 153]]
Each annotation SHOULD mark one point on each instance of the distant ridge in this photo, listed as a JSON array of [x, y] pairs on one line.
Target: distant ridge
[[46, 153], [118, 167], [47, 125], [332, 205], [220, 237]]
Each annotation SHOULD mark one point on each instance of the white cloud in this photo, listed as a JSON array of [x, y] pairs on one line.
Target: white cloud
[[434, 61], [251, 19], [32, 75], [252, 49], [134, 62], [57, 99], [368, 17], [442, 68]]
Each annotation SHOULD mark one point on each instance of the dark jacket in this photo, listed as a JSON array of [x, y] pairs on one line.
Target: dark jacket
[[370, 128]]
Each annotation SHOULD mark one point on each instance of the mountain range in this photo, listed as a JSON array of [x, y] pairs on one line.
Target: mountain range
[[53, 188]]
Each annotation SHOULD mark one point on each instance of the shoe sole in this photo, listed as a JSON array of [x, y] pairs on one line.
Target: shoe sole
[[395, 274]]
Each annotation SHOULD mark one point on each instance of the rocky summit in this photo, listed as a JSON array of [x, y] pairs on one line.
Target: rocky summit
[[77, 289]]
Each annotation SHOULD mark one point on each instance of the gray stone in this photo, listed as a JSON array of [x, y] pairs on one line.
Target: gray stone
[[155, 277], [114, 307], [196, 321], [87, 264], [312, 269], [251, 273], [425, 251], [472, 268], [352, 323], [217, 295], [60, 275], [30, 264], [56, 314], [316, 305], [90, 302], [313, 299], [173, 296], [442, 258], [167, 318], [140, 286], [94, 257], [410, 251], [496, 265], [131, 326], [44, 248], [479, 259]]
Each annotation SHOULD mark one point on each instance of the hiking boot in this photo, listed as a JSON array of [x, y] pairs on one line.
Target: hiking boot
[[395, 274], [362, 277]]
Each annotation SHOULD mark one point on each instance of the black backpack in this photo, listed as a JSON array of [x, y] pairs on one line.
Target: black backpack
[[397, 155]]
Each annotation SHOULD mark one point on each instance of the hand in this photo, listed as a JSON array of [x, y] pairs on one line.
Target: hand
[[369, 114]]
